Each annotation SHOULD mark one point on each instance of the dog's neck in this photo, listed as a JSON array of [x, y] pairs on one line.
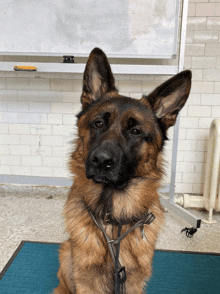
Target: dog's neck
[[122, 206]]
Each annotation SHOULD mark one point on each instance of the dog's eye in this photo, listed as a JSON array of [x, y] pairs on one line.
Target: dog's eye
[[135, 131], [99, 124]]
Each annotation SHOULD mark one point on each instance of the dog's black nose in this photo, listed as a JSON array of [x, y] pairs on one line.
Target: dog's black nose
[[102, 159]]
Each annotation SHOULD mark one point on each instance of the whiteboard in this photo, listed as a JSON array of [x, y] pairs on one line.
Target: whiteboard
[[122, 28]]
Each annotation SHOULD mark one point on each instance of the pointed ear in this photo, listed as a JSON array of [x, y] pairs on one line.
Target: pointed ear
[[169, 98], [98, 78]]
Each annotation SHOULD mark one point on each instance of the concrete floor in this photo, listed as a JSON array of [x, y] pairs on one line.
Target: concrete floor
[[35, 214]]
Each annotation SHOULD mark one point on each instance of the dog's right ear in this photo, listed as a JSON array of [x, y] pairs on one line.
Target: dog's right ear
[[97, 79]]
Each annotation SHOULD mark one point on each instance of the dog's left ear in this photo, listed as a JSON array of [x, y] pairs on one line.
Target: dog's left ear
[[169, 98], [98, 78]]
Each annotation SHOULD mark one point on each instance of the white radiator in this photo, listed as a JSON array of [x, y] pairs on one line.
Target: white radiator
[[212, 172], [211, 197]]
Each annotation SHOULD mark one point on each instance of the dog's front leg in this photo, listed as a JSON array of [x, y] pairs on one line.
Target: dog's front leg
[[94, 280], [77, 276], [65, 273]]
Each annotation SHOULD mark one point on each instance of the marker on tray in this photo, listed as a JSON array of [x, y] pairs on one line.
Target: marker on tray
[[24, 68]]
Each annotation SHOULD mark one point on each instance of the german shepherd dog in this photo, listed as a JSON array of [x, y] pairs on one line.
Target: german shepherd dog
[[117, 168]]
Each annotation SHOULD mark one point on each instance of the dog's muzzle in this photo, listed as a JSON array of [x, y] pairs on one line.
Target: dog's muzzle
[[104, 164]]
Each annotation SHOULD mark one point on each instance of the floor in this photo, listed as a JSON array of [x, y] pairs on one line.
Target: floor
[[35, 214]]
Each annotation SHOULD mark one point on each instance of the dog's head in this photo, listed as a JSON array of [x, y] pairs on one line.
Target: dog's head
[[122, 137]]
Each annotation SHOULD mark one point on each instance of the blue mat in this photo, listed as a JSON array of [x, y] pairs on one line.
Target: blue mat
[[33, 268]]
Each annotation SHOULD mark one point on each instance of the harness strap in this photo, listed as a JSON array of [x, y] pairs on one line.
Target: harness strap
[[146, 221], [117, 265], [100, 226], [120, 274]]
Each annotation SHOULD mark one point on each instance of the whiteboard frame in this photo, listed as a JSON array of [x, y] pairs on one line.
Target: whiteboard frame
[[135, 56], [80, 67]]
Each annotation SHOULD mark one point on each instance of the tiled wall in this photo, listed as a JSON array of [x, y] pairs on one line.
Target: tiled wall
[[203, 58], [38, 110]]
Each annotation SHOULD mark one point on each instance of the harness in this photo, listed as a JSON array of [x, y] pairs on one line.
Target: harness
[[120, 274]]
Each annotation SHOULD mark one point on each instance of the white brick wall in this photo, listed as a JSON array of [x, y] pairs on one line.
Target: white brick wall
[[37, 110]]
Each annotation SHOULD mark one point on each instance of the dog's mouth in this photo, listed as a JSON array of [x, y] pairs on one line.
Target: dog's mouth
[[99, 179], [111, 181]]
